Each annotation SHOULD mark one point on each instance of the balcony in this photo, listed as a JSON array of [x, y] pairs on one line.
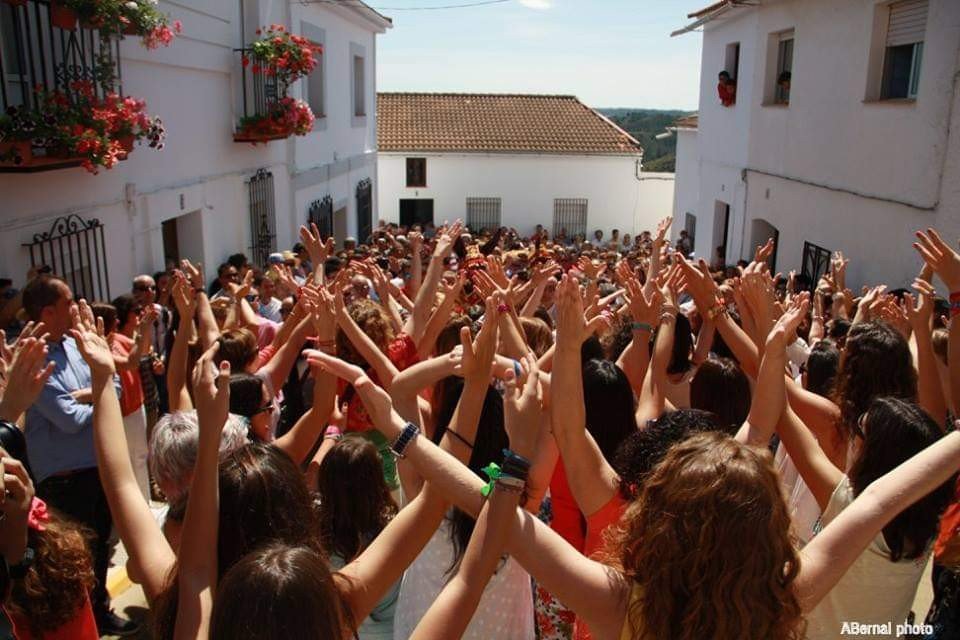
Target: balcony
[[268, 68], [61, 93]]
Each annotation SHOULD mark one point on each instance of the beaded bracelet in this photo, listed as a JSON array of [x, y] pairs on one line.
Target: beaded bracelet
[[641, 326], [409, 433]]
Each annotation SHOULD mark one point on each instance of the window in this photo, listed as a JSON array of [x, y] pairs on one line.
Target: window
[[359, 87], [483, 213], [784, 68], [731, 62], [727, 80], [570, 216], [903, 52], [816, 261], [416, 172], [314, 91]]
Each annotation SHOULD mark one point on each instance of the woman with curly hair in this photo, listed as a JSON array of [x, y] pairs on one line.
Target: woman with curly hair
[[50, 600]]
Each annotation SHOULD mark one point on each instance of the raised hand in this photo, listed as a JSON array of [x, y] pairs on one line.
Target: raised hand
[[26, 372], [662, 228], [477, 360], [183, 298], [940, 256], [592, 269], [643, 309], [316, 248], [919, 309], [446, 240], [699, 284], [523, 408], [838, 269], [571, 325], [92, 345], [194, 273], [211, 390]]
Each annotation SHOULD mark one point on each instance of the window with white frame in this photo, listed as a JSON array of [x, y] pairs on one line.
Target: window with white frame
[[315, 88], [483, 213], [570, 217], [903, 50], [359, 87], [784, 69]]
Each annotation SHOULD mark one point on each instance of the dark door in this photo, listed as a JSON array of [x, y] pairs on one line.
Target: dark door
[[416, 211], [171, 244]]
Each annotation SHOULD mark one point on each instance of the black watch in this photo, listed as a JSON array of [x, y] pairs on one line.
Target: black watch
[[19, 571]]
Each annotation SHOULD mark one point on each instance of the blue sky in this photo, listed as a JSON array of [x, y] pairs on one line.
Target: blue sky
[[609, 53]]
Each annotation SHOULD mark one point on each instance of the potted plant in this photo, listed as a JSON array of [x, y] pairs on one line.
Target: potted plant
[[142, 18], [283, 55], [284, 118], [62, 15]]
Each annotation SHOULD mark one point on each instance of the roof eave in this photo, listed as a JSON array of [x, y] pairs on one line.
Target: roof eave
[[520, 152], [380, 22], [710, 13]]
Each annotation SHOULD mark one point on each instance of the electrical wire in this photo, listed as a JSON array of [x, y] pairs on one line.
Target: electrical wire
[[358, 3]]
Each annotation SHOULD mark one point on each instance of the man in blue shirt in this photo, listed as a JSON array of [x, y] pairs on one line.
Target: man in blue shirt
[[59, 432]]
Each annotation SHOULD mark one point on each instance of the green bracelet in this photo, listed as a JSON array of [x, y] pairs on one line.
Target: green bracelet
[[492, 471], [641, 326]]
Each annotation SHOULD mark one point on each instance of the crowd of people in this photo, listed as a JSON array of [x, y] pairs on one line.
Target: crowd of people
[[436, 434]]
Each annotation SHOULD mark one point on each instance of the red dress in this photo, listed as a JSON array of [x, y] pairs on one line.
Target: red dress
[[83, 626]]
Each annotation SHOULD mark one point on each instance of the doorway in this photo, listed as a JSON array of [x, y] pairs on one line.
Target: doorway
[[171, 246], [721, 228], [416, 212]]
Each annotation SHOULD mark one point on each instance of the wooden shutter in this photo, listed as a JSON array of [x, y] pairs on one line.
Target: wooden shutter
[[908, 22]]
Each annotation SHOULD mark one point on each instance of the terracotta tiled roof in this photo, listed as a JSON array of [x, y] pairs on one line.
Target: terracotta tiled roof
[[496, 123], [687, 122]]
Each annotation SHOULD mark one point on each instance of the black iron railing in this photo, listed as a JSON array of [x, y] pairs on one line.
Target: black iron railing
[[74, 249], [320, 213], [261, 90], [364, 210], [816, 261], [35, 54], [263, 230]]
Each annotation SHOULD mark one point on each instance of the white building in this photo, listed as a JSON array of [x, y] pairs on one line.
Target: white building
[[860, 148], [514, 161], [204, 196]]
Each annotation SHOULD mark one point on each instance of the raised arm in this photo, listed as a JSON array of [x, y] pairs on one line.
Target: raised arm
[[439, 317], [197, 575], [423, 303], [186, 303], [596, 592], [652, 398], [366, 347], [644, 314], [929, 390], [830, 554], [592, 479], [141, 535], [769, 400], [451, 612], [27, 371], [298, 442], [207, 329]]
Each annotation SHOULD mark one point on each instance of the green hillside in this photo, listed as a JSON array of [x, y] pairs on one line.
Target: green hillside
[[645, 125]]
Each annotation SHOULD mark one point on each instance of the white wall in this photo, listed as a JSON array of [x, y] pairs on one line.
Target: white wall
[[686, 194], [194, 86], [527, 186], [833, 168]]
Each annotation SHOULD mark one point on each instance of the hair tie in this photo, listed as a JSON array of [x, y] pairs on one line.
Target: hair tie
[[492, 471], [38, 515]]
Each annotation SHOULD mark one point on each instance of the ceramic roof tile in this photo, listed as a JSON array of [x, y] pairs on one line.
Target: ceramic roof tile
[[496, 123]]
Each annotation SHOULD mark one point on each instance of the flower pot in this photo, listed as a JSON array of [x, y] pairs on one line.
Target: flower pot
[[62, 16], [131, 30], [91, 23], [126, 143], [18, 152]]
